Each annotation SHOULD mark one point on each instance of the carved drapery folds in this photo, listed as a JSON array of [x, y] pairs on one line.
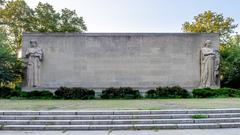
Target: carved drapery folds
[[34, 54], [209, 66]]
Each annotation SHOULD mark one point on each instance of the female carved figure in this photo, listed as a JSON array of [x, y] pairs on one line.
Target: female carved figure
[[35, 56], [209, 66]]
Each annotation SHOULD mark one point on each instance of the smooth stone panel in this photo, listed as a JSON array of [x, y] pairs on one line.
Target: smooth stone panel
[[138, 60]]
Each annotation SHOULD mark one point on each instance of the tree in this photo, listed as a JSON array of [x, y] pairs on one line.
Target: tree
[[46, 18], [230, 45], [10, 65], [211, 22], [70, 22], [17, 17], [230, 63], [2, 2]]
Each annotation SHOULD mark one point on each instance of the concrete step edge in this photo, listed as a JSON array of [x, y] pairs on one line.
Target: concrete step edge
[[95, 117], [118, 115], [121, 127], [120, 112], [118, 122]]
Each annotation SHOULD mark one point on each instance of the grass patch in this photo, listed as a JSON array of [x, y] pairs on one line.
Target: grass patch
[[110, 131], [64, 131], [139, 104], [153, 108], [1, 126], [199, 116]]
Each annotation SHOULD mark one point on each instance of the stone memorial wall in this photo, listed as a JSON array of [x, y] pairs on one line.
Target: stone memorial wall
[[100, 60]]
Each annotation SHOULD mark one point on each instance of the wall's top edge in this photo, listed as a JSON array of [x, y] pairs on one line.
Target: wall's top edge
[[109, 34]]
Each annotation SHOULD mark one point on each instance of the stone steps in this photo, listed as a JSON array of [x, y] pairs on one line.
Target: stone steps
[[121, 112], [118, 122], [113, 117], [119, 119], [122, 127]]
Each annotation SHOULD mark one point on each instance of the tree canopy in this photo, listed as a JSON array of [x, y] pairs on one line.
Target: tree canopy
[[17, 17], [230, 63], [10, 65], [211, 22]]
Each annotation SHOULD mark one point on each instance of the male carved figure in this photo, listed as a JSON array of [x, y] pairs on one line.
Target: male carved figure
[[209, 66], [35, 56]]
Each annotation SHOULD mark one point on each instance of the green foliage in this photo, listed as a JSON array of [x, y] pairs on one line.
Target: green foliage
[[151, 94], [17, 17], [43, 94], [203, 93], [120, 93], [168, 92], [74, 93], [221, 92], [199, 116], [18, 87], [211, 22], [70, 22], [2, 2], [230, 63], [10, 65], [46, 18], [5, 92]]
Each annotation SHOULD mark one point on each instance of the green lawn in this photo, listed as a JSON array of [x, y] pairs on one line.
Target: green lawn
[[151, 104]]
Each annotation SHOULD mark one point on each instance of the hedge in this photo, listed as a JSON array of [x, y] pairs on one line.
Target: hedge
[[120, 93], [37, 95], [221, 92], [168, 92], [74, 93], [7, 93]]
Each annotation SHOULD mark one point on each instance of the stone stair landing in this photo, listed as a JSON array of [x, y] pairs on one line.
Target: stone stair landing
[[120, 119]]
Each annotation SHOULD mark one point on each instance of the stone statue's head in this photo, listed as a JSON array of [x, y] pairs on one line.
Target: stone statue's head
[[33, 43], [207, 43]]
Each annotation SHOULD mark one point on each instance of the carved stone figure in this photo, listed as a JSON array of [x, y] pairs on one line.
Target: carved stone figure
[[209, 66], [35, 56]]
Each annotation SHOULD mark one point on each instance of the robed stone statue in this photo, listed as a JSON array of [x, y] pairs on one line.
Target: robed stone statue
[[209, 66], [35, 56]]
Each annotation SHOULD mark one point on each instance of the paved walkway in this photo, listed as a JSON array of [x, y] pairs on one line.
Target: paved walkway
[[235, 131]]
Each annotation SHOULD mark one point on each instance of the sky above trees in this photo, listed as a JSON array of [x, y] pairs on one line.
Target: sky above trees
[[142, 15]]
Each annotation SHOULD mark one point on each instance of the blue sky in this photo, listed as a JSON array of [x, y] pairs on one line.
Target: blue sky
[[143, 15]]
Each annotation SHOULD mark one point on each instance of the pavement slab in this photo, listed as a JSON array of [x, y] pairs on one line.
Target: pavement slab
[[230, 131]]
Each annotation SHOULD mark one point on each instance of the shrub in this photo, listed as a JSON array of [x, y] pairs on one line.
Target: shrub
[[74, 93], [37, 95], [221, 92], [227, 92], [18, 87], [5, 92], [119, 93], [199, 116], [10, 93], [168, 92], [203, 93], [15, 93], [151, 94]]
